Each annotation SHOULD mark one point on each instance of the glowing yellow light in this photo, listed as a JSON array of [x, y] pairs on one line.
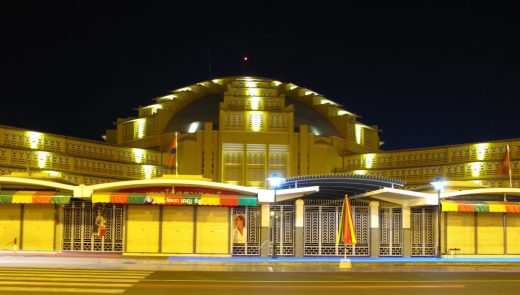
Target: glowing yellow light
[[155, 107], [358, 133], [255, 103], [193, 127], [168, 97], [140, 126], [277, 83], [138, 155], [251, 84], [308, 92], [147, 169], [34, 138], [481, 150], [217, 81], [53, 173], [325, 101], [183, 89], [256, 119], [475, 169], [42, 156], [253, 91], [360, 172], [292, 86], [368, 160]]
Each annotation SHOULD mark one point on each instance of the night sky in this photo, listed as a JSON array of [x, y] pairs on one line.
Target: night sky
[[427, 75]]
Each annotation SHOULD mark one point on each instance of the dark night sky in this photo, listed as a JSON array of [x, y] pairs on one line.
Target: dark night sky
[[427, 75]]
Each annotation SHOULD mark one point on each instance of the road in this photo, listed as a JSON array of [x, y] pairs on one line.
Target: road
[[75, 281]]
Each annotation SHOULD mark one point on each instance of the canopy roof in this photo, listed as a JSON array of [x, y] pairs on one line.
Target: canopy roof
[[337, 185]]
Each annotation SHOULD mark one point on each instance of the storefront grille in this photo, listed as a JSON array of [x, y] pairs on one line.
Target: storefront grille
[[252, 245], [284, 229], [391, 234], [79, 228], [423, 243], [321, 226]]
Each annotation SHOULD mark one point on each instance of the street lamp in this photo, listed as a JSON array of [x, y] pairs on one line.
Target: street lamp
[[438, 184], [274, 182]]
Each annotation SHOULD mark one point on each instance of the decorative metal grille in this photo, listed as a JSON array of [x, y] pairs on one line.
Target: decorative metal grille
[[391, 232], [78, 228], [321, 223], [423, 243], [252, 245], [284, 212]]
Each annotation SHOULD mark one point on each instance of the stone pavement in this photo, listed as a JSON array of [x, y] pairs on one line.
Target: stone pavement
[[201, 263]]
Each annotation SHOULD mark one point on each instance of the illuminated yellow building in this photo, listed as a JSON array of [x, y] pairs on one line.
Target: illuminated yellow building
[[236, 132]]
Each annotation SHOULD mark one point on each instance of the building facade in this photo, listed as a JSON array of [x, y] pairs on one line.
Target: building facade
[[237, 131]]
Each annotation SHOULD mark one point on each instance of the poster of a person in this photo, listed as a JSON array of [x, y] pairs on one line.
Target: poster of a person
[[239, 231], [99, 224]]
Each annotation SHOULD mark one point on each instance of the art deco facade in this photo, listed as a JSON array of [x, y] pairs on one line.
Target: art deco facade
[[238, 131]]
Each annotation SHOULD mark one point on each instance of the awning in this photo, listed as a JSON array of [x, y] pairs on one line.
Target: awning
[[173, 199], [34, 197], [480, 206]]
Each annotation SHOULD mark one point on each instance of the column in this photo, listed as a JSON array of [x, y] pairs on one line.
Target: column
[[407, 233], [264, 230], [374, 228], [298, 226]]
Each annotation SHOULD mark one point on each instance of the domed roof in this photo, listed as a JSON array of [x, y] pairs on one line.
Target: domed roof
[[186, 109], [200, 103], [206, 109]]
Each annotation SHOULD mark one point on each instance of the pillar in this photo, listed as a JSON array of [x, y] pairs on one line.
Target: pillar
[[264, 230], [374, 228], [407, 232], [298, 234]]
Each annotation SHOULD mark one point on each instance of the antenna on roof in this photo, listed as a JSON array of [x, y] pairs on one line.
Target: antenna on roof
[[209, 62]]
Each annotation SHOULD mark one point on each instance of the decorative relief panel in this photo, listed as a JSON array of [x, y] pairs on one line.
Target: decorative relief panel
[[255, 157], [277, 121], [233, 157], [52, 161], [256, 121], [234, 120]]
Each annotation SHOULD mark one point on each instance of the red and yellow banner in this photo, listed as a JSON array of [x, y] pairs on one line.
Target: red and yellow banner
[[34, 197], [171, 199], [480, 206]]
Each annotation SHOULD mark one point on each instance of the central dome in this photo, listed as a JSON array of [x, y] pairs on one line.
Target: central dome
[[206, 109]]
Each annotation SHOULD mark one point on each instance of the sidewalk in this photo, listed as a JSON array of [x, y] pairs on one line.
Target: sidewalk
[[145, 262]]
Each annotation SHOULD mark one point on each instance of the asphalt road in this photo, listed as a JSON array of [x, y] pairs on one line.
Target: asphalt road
[[70, 281]]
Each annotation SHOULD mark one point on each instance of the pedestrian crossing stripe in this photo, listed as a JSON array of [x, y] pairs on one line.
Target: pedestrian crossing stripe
[[26, 283], [62, 290], [100, 271], [66, 275], [71, 279], [68, 280]]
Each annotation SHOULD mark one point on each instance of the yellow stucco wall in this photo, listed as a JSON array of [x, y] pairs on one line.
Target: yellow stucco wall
[[9, 225], [212, 230], [177, 229], [490, 233], [461, 232], [142, 229], [513, 233], [38, 227]]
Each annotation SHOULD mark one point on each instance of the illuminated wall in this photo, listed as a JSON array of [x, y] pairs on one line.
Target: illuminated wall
[[253, 136]]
